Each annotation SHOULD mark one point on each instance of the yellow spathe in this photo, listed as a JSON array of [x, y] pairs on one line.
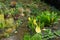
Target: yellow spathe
[[34, 22], [29, 18], [38, 30]]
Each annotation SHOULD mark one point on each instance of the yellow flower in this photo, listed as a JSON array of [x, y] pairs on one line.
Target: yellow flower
[[34, 22], [38, 30], [29, 18]]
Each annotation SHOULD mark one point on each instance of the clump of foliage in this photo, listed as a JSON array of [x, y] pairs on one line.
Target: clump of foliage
[[45, 35], [34, 37], [48, 34], [8, 25], [33, 25], [47, 17], [57, 33]]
